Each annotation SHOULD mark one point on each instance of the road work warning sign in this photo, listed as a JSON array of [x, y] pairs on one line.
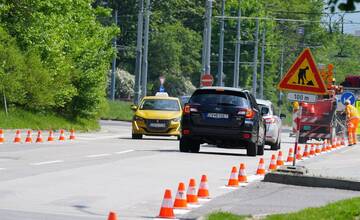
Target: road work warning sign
[[303, 76]]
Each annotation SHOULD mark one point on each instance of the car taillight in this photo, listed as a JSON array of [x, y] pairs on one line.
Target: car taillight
[[248, 113], [188, 109], [270, 120]]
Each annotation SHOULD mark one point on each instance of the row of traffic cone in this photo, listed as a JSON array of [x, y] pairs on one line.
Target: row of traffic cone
[[39, 139], [183, 198]]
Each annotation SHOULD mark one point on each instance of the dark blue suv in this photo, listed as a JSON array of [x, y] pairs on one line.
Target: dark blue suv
[[222, 116]]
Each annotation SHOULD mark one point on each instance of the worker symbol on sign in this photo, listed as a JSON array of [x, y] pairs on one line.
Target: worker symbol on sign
[[301, 77]]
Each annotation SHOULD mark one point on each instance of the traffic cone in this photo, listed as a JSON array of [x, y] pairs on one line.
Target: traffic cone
[[203, 191], [17, 138], [72, 134], [242, 178], [312, 150], [329, 146], [28, 139], [338, 142], [343, 142], [2, 139], [166, 210], [112, 216], [272, 165], [291, 155], [324, 148], [298, 153], [62, 136], [51, 136], [39, 138], [318, 150], [306, 151], [334, 144], [180, 199], [191, 196], [280, 161], [233, 180], [261, 167]]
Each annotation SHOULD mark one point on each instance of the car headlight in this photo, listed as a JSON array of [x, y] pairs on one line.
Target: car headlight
[[176, 119], [137, 118]]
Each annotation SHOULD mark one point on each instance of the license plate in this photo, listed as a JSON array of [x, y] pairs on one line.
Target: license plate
[[307, 128], [157, 125], [218, 115]]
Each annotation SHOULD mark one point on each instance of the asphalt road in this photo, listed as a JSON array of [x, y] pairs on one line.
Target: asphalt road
[[107, 170]]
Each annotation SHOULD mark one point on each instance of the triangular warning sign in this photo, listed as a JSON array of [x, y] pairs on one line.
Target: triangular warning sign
[[303, 76]]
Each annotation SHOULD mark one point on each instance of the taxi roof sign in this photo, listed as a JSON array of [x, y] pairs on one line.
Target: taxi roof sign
[[162, 94], [303, 76]]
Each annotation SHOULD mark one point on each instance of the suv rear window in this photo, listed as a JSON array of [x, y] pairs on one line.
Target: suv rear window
[[214, 97]]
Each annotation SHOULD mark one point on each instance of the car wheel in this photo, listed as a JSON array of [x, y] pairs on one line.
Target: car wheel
[[136, 136], [261, 145], [276, 145], [188, 145], [251, 149]]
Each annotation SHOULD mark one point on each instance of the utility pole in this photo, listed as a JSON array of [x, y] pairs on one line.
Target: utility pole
[[281, 76], [137, 90], [221, 49], [113, 69], [237, 50], [208, 37], [146, 47], [254, 84], [262, 64]]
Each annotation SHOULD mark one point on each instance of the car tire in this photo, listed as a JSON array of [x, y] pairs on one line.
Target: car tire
[[136, 136], [188, 145], [251, 149], [276, 145], [260, 147]]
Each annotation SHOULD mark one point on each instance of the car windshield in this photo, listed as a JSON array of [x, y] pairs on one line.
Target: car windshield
[[160, 104], [220, 98]]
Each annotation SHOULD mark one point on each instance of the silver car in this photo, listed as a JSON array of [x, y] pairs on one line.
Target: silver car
[[273, 123]]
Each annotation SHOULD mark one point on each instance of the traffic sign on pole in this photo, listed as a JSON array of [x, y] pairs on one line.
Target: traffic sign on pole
[[300, 97], [348, 96], [207, 80], [303, 76]]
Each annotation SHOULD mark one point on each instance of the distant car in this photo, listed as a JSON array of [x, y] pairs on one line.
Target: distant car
[[184, 99], [158, 115], [273, 124], [225, 117]]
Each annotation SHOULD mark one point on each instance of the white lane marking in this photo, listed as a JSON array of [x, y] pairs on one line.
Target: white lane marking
[[47, 162], [2, 168], [124, 152], [98, 155]]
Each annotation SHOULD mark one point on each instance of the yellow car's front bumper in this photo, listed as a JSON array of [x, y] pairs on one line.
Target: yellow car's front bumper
[[172, 128]]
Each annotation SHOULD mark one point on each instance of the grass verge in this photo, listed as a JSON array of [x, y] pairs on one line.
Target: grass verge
[[118, 110], [342, 210], [20, 119]]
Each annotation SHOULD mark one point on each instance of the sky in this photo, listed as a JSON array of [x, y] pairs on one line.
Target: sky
[[350, 17]]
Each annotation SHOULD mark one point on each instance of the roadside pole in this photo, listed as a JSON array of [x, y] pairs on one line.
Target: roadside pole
[[144, 68], [281, 76], [208, 37], [137, 88], [221, 48], [255, 58], [237, 50], [297, 133], [113, 69], [262, 64]]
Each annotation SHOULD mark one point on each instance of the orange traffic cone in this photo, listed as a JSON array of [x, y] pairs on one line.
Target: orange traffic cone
[[17, 138], [166, 210], [272, 165], [280, 161], [51, 136], [290, 156], [329, 146], [2, 139], [72, 134], [312, 150], [242, 178], [62, 136], [203, 188], [298, 153], [39, 138], [112, 216], [306, 151], [324, 148], [191, 196], [28, 139], [318, 150], [261, 167], [180, 199], [343, 142], [233, 180], [334, 144]]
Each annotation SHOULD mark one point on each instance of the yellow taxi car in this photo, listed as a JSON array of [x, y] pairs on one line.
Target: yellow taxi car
[[157, 115]]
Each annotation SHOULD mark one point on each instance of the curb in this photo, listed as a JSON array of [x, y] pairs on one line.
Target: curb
[[312, 181]]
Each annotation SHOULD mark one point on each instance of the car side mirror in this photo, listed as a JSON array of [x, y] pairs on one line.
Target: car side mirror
[[282, 116], [264, 111], [134, 108]]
